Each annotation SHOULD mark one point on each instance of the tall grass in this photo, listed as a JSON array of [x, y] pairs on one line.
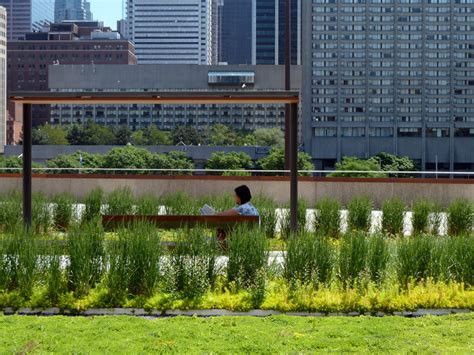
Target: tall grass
[[460, 217], [85, 248], [285, 220], [41, 216], [192, 267], [309, 259], [54, 273], [180, 203], [63, 210], [93, 205], [360, 213], [268, 215], [421, 216], [18, 264], [134, 262], [147, 205], [393, 213], [378, 258], [11, 211], [327, 218], [120, 202], [353, 253], [436, 218], [459, 254]]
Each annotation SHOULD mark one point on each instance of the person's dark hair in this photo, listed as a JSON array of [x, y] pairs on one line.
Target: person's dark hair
[[244, 194]]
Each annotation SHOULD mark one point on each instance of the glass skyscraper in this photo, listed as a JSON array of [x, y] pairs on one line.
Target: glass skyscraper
[[390, 75], [72, 10], [27, 15]]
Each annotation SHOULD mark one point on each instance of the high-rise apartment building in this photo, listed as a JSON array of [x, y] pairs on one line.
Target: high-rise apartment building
[[3, 77], [235, 31], [268, 45], [390, 75], [72, 10], [29, 60], [27, 15], [173, 31]]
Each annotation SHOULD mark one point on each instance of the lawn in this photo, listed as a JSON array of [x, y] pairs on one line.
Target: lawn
[[238, 334]]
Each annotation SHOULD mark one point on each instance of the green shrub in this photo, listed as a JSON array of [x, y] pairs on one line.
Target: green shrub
[[393, 213], [360, 213], [93, 205], [421, 216], [460, 217], [86, 256], [309, 259], [134, 262], [120, 202], [63, 210], [327, 218], [353, 252], [378, 258], [192, 267]]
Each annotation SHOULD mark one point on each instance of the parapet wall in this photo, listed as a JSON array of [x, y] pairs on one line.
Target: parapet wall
[[443, 191]]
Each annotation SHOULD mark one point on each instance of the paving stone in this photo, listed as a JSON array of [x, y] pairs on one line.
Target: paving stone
[[51, 312], [8, 311]]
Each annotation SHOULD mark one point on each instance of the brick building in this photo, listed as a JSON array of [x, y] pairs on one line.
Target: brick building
[[82, 42]]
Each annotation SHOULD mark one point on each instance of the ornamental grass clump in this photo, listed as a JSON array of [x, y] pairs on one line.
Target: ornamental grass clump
[[54, 273], [459, 259], [192, 268], [353, 253], [378, 258], [419, 258], [436, 218], [285, 220], [85, 249], [120, 202], [147, 205], [360, 214], [268, 216], [134, 262], [18, 262], [393, 214], [92, 205], [180, 203], [63, 210], [41, 216], [11, 211], [327, 217], [309, 259], [422, 210], [460, 217]]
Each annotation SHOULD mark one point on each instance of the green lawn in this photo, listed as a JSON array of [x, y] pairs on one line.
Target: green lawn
[[237, 334]]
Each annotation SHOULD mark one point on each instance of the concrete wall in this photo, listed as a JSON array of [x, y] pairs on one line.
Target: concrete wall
[[311, 189]]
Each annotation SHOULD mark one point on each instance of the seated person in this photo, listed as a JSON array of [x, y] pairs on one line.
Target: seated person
[[244, 206]]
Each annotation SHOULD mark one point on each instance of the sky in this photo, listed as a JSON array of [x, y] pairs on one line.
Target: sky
[[108, 11]]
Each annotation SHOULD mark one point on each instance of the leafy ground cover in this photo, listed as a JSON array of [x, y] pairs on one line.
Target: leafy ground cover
[[453, 334]]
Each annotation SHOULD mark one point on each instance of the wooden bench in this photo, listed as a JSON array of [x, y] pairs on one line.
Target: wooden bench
[[176, 222]]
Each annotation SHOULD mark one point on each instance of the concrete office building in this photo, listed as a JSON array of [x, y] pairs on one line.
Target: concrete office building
[[3, 77], [173, 31], [175, 78], [389, 75], [72, 10], [268, 42], [27, 16], [29, 60]]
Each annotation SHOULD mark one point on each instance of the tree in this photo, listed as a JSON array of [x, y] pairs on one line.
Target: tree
[[49, 135], [128, 157], [229, 161], [75, 135], [90, 134], [75, 161], [272, 137], [138, 138], [154, 136], [123, 135], [390, 162], [186, 134], [276, 161], [356, 164], [222, 135]]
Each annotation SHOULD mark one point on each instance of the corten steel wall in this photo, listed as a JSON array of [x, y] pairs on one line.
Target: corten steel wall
[[442, 191]]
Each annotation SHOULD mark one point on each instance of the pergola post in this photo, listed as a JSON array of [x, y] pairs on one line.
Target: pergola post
[[27, 174], [294, 167], [287, 82]]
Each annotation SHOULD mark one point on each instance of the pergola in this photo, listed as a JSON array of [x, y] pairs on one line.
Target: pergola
[[289, 98]]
